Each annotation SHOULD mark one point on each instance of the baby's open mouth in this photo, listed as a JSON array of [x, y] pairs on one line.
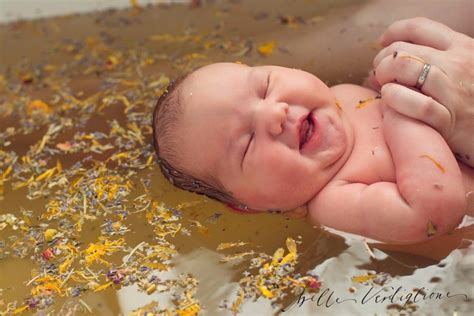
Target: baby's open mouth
[[306, 129]]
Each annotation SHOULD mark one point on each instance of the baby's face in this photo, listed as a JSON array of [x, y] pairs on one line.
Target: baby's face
[[271, 136]]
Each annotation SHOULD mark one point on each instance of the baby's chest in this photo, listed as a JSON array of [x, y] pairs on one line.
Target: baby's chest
[[370, 160]]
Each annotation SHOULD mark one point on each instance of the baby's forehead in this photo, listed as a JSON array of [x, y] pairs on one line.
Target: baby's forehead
[[218, 70], [214, 81], [224, 76], [230, 85]]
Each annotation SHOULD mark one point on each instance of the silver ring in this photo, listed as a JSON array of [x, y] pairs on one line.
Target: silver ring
[[423, 74]]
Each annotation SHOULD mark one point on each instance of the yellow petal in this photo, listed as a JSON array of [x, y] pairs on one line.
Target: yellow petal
[[151, 289], [59, 167], [189, 311], [265, 291], [49, 234], [150, 160], [277, 256], [64, 267], [291, 245], [156, 266], [363, 278], [227, 245], [238, 302], [437, 164], [267, 48], [20, 309], [48, 173], [38, 105], [363, 103], [288, 258], [103, 286], [6, 173]]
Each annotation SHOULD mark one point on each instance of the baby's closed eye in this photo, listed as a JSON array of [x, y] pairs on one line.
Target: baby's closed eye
[[247, 148], [267, 86]]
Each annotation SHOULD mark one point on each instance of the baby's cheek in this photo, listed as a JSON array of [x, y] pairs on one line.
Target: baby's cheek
[[281, 165]]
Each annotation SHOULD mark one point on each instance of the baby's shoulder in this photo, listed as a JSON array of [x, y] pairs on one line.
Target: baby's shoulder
[[351, 94], [370, 160], [349, 88]]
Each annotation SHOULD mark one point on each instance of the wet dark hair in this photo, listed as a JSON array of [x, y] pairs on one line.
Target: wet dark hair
[[166, 115]]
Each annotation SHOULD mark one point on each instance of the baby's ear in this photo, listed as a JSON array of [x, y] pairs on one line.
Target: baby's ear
[[298, 212]]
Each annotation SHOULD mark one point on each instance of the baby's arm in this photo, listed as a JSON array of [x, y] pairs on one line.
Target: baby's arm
[[427, 199]]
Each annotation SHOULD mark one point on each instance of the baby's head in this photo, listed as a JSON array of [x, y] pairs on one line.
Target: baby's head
[[256, 138]]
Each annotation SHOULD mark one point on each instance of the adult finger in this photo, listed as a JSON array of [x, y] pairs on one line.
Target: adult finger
[[405, 69], [424, 52], [418, 106], [420, 31]]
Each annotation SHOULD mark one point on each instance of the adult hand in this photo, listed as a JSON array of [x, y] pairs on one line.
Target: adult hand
[[445, 100]]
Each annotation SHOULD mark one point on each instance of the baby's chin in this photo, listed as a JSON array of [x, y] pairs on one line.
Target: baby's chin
[[335, 140]]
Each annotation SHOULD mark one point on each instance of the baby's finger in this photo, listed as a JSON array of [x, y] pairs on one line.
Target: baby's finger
[[421, 31], [418, 106], [423, 52], [371, 81], [406, 69]]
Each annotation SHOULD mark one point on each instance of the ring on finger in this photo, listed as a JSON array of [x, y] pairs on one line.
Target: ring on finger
[[423, 75]]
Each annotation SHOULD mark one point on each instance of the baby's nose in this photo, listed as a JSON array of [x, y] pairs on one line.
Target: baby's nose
[[274, 116]]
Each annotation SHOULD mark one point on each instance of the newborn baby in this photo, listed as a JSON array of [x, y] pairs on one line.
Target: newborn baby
[[274, 139]]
